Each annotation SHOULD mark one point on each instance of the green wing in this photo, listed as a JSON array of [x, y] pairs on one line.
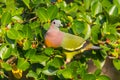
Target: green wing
[[71, 42]]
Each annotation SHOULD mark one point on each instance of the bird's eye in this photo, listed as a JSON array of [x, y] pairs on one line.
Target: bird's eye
[[53, 22]]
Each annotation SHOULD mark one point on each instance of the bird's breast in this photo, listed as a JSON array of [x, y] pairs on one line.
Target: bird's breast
[[53, 39]]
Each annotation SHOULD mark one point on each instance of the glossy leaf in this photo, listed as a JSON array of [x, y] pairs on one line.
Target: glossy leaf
[[27, 3], [5, 51], [66, 73], [6, 18], [116, 63], [96, 8], [12, 34], [113, 10]]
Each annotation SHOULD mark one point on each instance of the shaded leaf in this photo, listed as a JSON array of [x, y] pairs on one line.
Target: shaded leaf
[[22, 64], [89, 77], [32, 74], [39, 59]]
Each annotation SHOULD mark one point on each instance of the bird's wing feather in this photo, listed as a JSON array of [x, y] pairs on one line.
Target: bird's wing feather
[[71, 42]]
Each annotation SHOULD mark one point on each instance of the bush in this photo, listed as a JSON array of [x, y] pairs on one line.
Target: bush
[[23, 24]]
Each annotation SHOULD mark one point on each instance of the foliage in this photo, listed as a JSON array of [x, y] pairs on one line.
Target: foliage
[[23, 24]]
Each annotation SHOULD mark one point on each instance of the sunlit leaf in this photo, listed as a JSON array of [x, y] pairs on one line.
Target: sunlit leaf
[[5, 51], [6, 66], [6, 18], [12, 34], [96, 8], [113, 10], [78, 27], [116, 63], [42, 14], [103, 77], [53, 11], [27, 3]]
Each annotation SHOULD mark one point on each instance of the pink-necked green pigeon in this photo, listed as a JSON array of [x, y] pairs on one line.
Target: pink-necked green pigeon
[[70, 43]]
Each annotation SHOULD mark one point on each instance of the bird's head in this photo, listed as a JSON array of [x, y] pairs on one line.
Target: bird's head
[[56, 23]]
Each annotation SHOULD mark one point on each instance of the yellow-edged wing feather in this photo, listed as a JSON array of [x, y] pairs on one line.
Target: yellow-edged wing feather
[[71, 42]]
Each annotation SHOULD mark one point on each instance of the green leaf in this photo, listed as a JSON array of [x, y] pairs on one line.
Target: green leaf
[[56, 62], [96, 8], [87, 4], [49, 51], [30, 53], [97, 72], [78, 27], [18, 26], [113, 10], [94, 33], [65, 73], [53, 11], [48, 70], [6, 18], [26, 44], [12, 34], [42, 14], [103, 77], [71, 9], [6, 66], [27, 2], [46, 26], [87, 31], [17, 19], [89, 77], [39, 59], [22, 64], [27, 31], [116, 63], [32, 74], [5, 51]]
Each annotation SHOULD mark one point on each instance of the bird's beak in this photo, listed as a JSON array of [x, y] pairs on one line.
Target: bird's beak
[[61, 25]]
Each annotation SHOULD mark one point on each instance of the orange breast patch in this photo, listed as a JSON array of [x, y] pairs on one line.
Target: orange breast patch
[[49, 43]]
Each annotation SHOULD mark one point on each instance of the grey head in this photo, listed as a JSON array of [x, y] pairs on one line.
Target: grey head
[[56, 23]]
